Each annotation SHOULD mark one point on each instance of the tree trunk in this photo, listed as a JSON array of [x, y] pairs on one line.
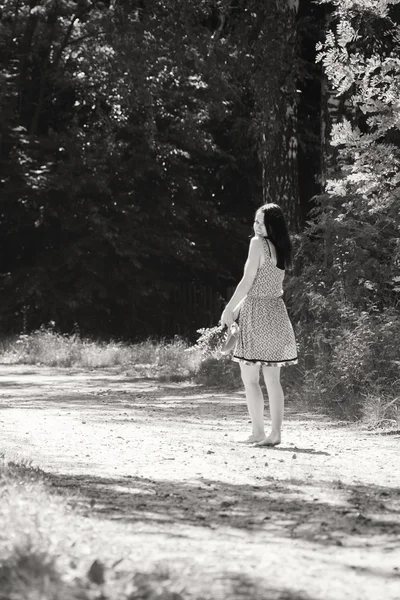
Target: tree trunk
[[332, 111], [276, 100], [25, 50], [279, 168]]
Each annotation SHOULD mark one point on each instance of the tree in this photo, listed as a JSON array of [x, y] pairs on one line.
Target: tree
[[362, 61], [108, 160], [262, 38], [132, 144], [276, 92], [346, 299]]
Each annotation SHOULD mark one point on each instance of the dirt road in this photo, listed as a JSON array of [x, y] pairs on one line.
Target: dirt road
[[161, 468]]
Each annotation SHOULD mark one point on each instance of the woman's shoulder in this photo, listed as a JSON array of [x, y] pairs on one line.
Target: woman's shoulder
[[256, 245], [263, 246], [256, 242], [260, 244], [257, 250]]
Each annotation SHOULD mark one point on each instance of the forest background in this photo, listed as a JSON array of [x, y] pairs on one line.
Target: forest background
[[137, 138]]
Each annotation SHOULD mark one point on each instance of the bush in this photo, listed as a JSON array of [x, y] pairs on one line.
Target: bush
[[345, 300], [219, 371], [350, 357]]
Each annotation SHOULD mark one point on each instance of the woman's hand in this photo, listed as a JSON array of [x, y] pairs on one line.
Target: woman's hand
[[227, 317]]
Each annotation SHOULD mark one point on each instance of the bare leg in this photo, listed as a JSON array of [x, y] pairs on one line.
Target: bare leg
[[276, 404], [255, 401]]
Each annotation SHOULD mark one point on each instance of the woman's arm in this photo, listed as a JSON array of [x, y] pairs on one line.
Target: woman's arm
[[244, 285]]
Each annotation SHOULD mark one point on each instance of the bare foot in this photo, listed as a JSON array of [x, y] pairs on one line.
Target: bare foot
[[252, 439], [271, 440]]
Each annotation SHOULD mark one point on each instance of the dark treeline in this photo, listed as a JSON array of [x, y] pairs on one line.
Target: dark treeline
[[137, 139]]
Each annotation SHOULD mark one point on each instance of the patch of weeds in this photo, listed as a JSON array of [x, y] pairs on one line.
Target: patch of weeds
[[381, 410], [17, 468]]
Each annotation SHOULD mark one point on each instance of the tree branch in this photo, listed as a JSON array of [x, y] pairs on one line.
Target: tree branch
[[217, 34]]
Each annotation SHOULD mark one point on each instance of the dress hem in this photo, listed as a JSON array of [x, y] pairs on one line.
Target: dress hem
[[266, 363]]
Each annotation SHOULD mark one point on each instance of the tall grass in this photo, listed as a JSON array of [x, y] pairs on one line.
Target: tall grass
[[47, 347], [48, 552], [381, 410]]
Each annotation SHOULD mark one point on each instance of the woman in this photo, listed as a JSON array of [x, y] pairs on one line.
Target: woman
[[266, 336]]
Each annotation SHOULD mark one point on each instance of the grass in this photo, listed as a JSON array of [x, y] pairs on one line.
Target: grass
[[381, 410], [46, 347], [48, 552], [377, 407]]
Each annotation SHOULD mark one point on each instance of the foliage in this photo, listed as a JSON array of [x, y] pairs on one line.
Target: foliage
[[133, 142], [127, 147], [219, 371], [362, 56], [345, 293], [214, 367], [362, 209]]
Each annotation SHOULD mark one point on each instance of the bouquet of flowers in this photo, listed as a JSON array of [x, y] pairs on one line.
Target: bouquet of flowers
[[216, 340]]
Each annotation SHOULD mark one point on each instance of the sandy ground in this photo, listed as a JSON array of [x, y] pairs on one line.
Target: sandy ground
[[161, 468]]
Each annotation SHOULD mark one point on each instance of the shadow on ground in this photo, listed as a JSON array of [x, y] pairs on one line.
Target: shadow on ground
[[241, 586], [279, 508]]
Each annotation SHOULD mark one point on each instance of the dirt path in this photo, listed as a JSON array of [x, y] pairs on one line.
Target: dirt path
[[160, 466]]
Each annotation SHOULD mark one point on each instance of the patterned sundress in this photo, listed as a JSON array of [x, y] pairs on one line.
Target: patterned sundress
[[266, 335]]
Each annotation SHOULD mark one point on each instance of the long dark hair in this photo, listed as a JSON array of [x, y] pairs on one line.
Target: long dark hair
[[277, 232]]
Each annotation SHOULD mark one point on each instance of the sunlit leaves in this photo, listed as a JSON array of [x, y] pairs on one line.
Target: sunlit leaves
[[371, 78]]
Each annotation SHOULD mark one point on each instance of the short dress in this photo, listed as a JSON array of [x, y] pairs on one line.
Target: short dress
[[266, 335]]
